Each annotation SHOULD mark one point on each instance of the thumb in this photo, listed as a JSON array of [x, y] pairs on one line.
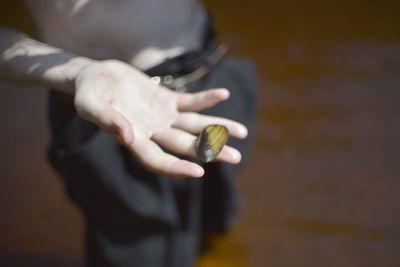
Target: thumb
[[108, 119], [116, 124]]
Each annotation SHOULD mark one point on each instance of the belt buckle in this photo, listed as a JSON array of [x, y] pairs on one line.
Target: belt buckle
[[176, 84], [181, 83]]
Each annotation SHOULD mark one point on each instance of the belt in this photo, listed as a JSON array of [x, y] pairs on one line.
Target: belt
[[201, 63]]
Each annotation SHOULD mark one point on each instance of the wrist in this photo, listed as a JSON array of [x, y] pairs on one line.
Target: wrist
[[65, 75]]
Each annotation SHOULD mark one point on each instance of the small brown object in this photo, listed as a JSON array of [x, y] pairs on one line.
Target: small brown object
[[211, 141]]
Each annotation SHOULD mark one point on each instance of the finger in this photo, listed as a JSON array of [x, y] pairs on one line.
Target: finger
[[183, 143], [194, 123], [230, 155], [201, 100], [176, 140], [156, 160]]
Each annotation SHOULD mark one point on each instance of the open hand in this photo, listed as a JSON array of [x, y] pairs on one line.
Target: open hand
[[143, 116]]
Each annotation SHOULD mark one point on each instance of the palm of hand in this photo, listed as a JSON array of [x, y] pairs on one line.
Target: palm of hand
[[125, 103], [153, 112]]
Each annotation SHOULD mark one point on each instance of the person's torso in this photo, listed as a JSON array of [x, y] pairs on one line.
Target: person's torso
[[143, 32]]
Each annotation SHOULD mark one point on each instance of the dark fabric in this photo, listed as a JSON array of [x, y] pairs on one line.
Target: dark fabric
[[135, 217]]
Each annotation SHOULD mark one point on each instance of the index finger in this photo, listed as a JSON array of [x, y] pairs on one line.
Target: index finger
[[201, 100]]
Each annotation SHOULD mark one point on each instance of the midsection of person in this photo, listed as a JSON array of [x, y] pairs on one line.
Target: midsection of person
[[142, 32]]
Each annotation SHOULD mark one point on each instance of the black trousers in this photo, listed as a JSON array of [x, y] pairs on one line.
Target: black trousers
[[138, 218]]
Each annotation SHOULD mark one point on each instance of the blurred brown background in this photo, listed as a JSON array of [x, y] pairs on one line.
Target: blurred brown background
[[322, 187]]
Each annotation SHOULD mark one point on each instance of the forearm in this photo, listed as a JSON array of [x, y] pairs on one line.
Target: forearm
[[25, 60]]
